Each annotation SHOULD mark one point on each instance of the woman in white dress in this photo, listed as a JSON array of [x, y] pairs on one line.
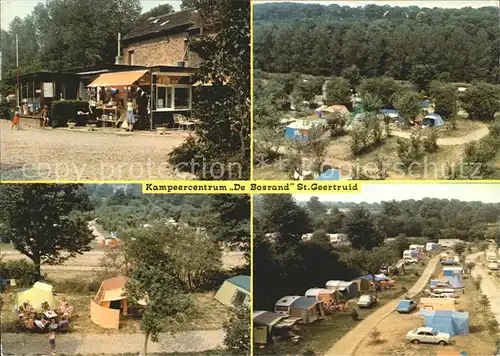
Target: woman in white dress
[[130, 114]]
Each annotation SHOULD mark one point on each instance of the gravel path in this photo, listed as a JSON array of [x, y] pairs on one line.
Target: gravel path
[[63, 154], [490, 289], [348, 344], [451, 141], [71, 344]]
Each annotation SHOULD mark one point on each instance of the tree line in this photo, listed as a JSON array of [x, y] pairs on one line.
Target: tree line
[[284, 264], [400, 42]]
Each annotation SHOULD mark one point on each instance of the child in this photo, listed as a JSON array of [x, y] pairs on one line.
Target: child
[[15, 121], [45, 116], [52, 341]]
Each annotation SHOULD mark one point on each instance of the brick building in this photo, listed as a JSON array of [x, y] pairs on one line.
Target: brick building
[[163, 40]]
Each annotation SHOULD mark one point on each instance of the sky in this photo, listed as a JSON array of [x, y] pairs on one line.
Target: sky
[[420, 3], [370, 193], [12, 8]]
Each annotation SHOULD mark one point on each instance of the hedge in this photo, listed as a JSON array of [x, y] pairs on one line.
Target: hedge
[[64, 110]]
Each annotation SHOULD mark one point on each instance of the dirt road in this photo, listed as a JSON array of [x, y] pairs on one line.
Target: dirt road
[[490, 289], [348, 344], [100, 344], [451, 141]]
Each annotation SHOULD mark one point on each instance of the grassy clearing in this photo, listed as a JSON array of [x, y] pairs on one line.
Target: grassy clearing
[[322, 335], [209, 314], [208, 353]]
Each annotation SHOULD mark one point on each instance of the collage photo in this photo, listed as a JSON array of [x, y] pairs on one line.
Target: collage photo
[[250, 177]]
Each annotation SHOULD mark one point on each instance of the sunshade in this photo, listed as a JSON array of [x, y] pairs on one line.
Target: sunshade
[[118, 78]]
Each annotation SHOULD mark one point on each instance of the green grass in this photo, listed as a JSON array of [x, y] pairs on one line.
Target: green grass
[[322, 335], [6, 247], [209, 353]]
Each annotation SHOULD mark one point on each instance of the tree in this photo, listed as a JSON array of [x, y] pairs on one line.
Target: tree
[[409, 104], [382, 87], [459, 248], [160, 10], [337, 124], [196, 256], [484, 301], [422, 75], [337, 92], [223, 138], [370, 261], [481, 101], [237, 329], [188, 4], [282, 215], [483, 247], [316, 148], [361, 230], [445, 97], [353, 75], [46, 222], [494, 234], [154, 279], [401, 244], [231, 220], [316, 207], [320, 237]]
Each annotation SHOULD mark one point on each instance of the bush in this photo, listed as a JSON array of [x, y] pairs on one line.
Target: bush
[[430, 142], [7, 110], [416, 273], [337, 124], [63, 111], [20, 270], [404, 289], [354, 314]]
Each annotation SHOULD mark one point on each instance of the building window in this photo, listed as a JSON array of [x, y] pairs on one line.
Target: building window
[[131, 58], [182, 98], [173, 97]]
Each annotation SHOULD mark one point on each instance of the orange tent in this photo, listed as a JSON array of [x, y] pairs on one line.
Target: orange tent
[[109, 301]]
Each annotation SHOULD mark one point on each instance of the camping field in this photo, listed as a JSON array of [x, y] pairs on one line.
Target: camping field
[[394, 328], [320, 336]]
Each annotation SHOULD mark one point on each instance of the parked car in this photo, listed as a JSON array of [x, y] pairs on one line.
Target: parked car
[[443, 291], [493, 266], [367, 301], [406, 306], [428, 335]]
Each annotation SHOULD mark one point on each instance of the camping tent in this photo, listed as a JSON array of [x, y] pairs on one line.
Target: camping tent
[[342, 109], [330, 174], [39, 293], [393, 114], [433, 120], [266, 324], [347, 289], [447, 321], [235, 291], [433, 304], [308, 309], [109, 301], [297, 131]]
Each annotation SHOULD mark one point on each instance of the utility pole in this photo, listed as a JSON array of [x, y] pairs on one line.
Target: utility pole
[[17, 66]]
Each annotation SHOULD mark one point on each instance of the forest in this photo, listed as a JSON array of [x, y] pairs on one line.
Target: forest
[[459, 45], [284, 264]]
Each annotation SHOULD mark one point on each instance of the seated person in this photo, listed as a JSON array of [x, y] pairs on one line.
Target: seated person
[[30, 324], [45, 306], [28, 307]]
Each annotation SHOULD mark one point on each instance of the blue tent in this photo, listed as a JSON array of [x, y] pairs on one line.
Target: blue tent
[[330, 174], [434, 120], [454, 281], [297, 131], [435, 282], [447, 321]]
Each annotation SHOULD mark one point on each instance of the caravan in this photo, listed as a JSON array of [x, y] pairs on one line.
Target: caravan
[[410, 256]]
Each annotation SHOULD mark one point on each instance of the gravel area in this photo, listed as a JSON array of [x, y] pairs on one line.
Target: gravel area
[[70, 344], [78, 154]]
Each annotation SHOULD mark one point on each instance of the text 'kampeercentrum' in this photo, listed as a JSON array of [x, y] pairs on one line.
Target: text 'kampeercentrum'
[[264, 187]]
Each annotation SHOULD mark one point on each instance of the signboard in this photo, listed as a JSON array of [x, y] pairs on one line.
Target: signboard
[[48, 90]]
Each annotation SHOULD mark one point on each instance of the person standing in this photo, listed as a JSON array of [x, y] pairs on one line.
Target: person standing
[[45, 116], [15, 120], [130, 114], [52, 341]]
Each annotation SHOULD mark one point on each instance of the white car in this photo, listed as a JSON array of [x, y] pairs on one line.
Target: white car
[[493, 266], [428, 335]]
